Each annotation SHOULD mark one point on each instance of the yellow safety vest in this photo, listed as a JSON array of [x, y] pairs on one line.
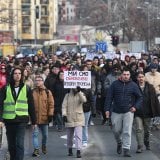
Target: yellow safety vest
[[12, 108]]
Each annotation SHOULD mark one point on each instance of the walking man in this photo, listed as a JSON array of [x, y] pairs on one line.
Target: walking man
[[44, 105], [16, 105], [123, 98]]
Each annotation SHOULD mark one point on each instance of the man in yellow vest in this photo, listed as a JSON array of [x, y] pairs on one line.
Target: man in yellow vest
[[16, 105]]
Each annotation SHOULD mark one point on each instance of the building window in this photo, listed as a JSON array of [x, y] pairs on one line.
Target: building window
[[44, 30], [26, 1], [44, 21], [26, 10], [26, 30], [44, 11], [26, 21], [44, 1]]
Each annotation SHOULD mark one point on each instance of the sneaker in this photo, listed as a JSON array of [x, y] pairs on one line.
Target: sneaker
[[44, 149], [119, 148], [84, 145], [36, 153], [103, 122], [127, 153], [60, 130], [139, 149], [91, 123]]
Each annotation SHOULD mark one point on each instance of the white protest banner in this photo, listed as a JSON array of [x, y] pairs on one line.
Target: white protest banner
[[137, 55], [72, 79]]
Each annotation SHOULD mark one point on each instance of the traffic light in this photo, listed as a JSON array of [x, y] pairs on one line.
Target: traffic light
[[115, 40], [37, 12]]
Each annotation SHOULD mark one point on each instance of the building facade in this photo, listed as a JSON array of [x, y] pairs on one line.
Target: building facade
[[35, 20]]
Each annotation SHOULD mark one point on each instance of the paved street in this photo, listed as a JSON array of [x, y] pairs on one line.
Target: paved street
[[102, 146]]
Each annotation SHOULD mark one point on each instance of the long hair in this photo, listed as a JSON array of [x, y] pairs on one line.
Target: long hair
[[12, 82]]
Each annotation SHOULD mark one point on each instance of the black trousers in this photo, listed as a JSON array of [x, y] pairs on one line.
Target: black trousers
[[15, 136]]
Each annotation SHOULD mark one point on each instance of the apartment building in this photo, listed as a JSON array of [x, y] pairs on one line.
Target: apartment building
[[27, 26]]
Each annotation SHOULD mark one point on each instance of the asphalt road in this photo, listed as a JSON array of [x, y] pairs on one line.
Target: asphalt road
[[102, 146]]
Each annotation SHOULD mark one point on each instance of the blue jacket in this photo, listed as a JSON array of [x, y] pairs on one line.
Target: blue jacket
[[122, 96]]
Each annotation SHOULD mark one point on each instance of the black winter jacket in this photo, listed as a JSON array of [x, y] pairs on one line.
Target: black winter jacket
[[122, 96], [150, 106]]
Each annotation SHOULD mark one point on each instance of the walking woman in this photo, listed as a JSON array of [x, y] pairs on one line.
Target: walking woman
[[72, 111]]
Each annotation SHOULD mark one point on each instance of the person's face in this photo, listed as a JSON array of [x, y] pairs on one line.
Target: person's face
[[78, 60], [61, 76], [132, 60], [3, 69], [155, 61], [39, 82], [54, 58], [154, 70], [55, 70], [125, 76], [89, 65], [116, 70], [36, 58], [95, 61], [25, 73], [127, 59], [35, 67], [85, 68], [134, 67], [17, 75], [46, 72], [101, 61], [110, 64], [141, 78], [50, 61]]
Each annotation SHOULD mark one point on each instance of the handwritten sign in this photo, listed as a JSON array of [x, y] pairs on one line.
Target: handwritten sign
[[72, 79]]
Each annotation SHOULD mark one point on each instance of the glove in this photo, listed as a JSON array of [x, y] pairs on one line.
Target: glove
[[78, 88], [50, 119], [65, 118], [93, 115]]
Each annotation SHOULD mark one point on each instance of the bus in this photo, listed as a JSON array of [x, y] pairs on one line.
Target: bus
[[53, 46], [29, 49]]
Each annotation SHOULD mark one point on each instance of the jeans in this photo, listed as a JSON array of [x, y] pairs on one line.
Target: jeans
[[85, 128], [59, 120], [122, 128], [142, 130], [15, 136], [35, 135]]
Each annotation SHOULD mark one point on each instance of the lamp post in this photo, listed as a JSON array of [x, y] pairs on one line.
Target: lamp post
[[148, 26], [147, 4], [81, 28]]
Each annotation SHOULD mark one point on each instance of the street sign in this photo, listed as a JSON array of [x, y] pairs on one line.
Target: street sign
[[101, 46]]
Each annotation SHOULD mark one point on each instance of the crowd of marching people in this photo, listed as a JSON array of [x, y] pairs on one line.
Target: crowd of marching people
[[122, 91]]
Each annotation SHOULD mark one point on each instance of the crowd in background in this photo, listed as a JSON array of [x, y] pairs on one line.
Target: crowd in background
[[50, 68]]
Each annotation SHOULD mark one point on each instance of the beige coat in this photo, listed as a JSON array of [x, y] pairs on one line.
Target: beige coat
[[154, 80], [72, 107]]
